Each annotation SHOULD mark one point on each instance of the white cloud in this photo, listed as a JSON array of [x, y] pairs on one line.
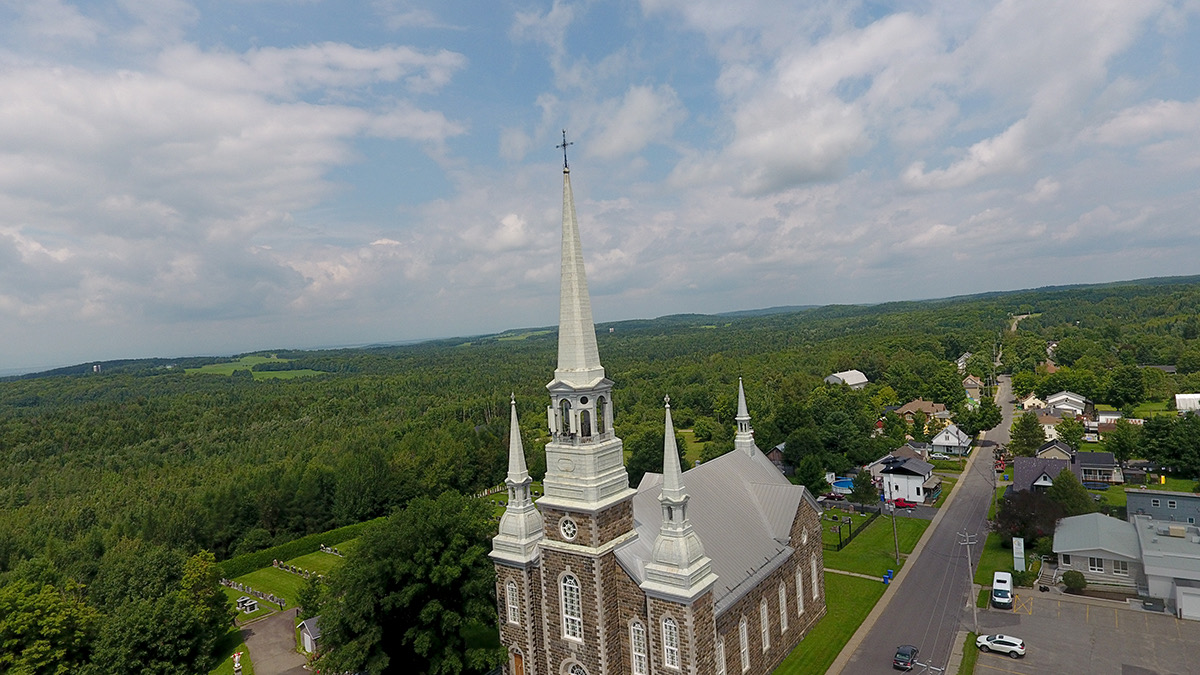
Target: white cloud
[[644, 115]]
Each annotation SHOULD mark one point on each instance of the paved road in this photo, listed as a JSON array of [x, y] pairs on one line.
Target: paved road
[[930, 604], [272, 645]]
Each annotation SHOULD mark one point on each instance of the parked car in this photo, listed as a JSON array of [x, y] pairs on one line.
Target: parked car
[[1004, 644], [903, 503], [906, 657], [939, 455]]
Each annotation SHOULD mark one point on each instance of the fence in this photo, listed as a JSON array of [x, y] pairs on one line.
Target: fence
[[844, 539]]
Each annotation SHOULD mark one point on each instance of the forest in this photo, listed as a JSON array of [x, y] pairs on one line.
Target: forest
[[159, 457]]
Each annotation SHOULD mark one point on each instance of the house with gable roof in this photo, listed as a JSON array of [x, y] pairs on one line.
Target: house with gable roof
[[855, 379], [911, 479], [951, 441]]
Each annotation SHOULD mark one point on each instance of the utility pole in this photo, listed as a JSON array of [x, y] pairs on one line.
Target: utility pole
[[967, 540], [895, 538]]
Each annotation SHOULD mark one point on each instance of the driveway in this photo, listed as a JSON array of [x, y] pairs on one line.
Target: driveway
[[1076, 635], [272, 645]]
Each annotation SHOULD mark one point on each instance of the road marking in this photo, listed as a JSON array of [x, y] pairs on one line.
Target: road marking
[[1116, 619], [1023, 603], [981, 664]]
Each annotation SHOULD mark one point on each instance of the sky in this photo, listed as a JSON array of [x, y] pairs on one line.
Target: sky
[[193, 178]]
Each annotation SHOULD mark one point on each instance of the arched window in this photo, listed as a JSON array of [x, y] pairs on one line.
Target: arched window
[[572, 608], [514, 604], [576, 669], [670, 631], [764, 619], [799, 591], [564, 417], [720, 655], [813, 565], [744, 643], [783, 614], [601, 414], [637, 642], [585, 423]]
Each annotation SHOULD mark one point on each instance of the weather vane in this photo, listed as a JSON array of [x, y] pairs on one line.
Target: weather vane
[[564, 149]]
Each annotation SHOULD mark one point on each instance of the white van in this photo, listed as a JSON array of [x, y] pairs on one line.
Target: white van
[[1002, 590]]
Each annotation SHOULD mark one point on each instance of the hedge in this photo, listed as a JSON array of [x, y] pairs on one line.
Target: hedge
[[245, 564]]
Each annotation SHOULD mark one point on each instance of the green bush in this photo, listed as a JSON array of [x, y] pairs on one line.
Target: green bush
[[245, 564], [1074, 581], [1026, 578]]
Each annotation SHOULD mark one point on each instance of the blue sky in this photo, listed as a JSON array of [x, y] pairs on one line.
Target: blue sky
[[209, 178]]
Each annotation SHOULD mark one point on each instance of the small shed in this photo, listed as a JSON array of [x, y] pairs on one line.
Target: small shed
[[310, 635]]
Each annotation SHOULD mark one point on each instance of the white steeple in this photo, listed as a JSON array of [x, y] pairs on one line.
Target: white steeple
[[521, 524], [585, 468], [679, 570], [578, 356], [743, 440]]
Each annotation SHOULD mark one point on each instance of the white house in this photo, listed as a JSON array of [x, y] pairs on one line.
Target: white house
[[952, 441], [1187, 402], [910, 479], [1067, 402], [855, 379]]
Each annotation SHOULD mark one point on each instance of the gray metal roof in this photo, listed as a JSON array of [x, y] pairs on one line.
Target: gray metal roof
[[1096, 532], [742, 509]]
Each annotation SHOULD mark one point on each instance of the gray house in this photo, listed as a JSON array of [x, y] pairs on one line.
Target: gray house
[[1104, 549], [1181, 507]]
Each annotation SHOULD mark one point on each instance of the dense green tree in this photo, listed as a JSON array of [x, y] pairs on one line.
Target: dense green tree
[[135, 570], [161, 636], [1023, 383], [311, 596], [920, 427], [1027, 435], [811, 474], [402, 598], [646, 454], [1070, 431], [1070, 495], [982, 417], [200, 588], [43, 630], [1184, 445], [1122, 441], [864, 491], [1026, 514], [802, 442], [1126, 386]]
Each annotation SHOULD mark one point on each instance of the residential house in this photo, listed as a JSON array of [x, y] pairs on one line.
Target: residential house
[[1187, 402], [1036, 474], [775, 454], [1049, 420], [1097, 467], [855, 379], [310, 635], [1163, 505], [1104, 549], [974, 388], [1108, 416], [1055, 450], [1070, 403], [1170, 370], [1170, 557], [910, 479], [1030, 402], [910, 450], [952, 441], [932, 410], [961, 362]]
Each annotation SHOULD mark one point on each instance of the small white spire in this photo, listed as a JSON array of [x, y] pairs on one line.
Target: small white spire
[[743, 439], [672, 473], [517, 470]]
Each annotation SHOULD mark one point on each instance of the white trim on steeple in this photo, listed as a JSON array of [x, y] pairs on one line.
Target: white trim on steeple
[[521, 526], [743, 438], [678, 569]]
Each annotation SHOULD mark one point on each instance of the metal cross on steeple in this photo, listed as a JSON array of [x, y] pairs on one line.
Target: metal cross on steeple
[[564, 149]]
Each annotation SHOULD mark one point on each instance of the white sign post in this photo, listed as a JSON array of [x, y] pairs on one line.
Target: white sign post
[[1019, 554]]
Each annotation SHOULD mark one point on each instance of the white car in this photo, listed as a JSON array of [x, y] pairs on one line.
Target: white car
[[1005, 644], [939, 455]]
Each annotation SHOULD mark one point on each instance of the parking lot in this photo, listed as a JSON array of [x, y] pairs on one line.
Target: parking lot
[[1089, 636]]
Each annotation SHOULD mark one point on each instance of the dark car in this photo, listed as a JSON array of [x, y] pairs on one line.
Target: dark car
[[903, 503], [906, 657], [835, 496]]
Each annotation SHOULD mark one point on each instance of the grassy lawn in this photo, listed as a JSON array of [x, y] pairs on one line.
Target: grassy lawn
[[848, 601], [873, 551], [248, 362], [829, 534], [232, 642], [271, 580], [995, 558], [996, 501], [984, 596], [949, 465], [1174, 484], [319, 562], [970, 655], [1113, 496], [1152, 408]]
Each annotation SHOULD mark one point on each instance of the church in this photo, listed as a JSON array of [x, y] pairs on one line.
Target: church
[[714, 571]]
